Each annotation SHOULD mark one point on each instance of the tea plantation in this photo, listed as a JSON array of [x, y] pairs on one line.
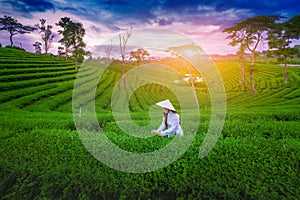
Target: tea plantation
[[257, 155]]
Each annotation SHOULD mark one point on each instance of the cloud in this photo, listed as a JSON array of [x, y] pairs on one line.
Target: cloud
[[26, 7], [140, 11], [119, 14], [95, 28], [262, 7], [164, 21], [200, 15], [200, 20]]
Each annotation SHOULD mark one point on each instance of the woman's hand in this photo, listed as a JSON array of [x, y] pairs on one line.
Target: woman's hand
[[159, 133]]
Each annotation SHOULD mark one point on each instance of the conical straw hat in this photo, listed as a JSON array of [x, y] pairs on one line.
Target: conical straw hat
[[166, 104]]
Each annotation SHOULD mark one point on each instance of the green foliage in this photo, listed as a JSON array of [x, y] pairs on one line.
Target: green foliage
[[139, 55], [280, 37], [249, 33], [42, 156], [293, 27], [46, 34], [37, 47], [72, 39], [14, 47], [13, 27]]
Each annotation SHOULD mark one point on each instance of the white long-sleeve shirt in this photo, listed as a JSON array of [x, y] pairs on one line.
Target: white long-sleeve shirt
[[173, 125]]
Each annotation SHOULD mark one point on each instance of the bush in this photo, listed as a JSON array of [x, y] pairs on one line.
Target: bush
[[293, 61], [14, 47], [51, 55]]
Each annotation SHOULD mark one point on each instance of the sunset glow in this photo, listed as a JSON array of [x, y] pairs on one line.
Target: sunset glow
[[201, 22]]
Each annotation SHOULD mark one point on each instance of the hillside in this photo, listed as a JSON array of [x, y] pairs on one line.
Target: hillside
[[44, 157], [41, 83]]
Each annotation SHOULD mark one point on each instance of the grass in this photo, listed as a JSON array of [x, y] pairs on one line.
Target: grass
[[43, 157]]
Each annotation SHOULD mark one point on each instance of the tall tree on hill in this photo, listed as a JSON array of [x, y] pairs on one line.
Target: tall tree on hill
[[14, 27], [238, 38], [107, 52], [46, 33], [76, 34], [247, 35], [178, 52], [279, 39], [63, 22], [241, 57], [123, 42], [73, 34]]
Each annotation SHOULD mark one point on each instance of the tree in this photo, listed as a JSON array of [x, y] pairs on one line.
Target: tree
[[177, 52], [37, 47], [123, 41], [297, 47], [60, 51], [46, 33], [77, 32], [279, 39], [248, 34], [293, 27], [63, 22], [14, 27], [238, 37], [73, 34], [139, 55], [107, 52], [256, 27], [241, 56]]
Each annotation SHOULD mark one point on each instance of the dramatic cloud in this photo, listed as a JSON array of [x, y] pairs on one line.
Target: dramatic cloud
[[25, 7], [202, 20]]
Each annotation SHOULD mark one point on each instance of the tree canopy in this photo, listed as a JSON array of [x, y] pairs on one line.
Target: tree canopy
[[37, 47], [46, 34], [280, 38], [250, 32], [14, 27], [72, 38], [139, 55]]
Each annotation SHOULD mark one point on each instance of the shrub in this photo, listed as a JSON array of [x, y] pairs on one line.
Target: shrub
[[14, 47]]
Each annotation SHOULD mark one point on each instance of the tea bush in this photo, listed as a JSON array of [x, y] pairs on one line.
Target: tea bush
[[42, 156]]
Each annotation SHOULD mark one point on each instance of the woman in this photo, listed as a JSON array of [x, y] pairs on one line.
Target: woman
[[171, 121]]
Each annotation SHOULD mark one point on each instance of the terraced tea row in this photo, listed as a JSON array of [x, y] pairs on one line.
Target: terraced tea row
[[46, 87], [269, 84], [4, 72], [43, 155]]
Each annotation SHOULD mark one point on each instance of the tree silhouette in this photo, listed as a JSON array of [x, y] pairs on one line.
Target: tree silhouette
[[178, 52], [60, 51], [123, 42], [14, 27], [107, 52], [247, 35], [37, 47], [279, 39], [73, 34], [63, 22], [46, 33], [139, 55]]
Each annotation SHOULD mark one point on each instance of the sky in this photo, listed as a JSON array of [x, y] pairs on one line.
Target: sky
[[202, 21]]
